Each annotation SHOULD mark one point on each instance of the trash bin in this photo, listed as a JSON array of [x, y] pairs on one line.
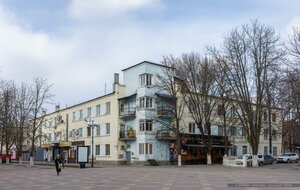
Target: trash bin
[[82, 165]]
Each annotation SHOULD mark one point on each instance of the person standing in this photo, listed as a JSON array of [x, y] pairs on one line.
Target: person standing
[[58, 164]]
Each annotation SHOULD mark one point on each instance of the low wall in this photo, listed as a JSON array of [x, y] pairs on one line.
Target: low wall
[[230, 161]]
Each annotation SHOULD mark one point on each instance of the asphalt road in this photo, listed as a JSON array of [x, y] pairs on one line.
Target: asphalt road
[[216, 177]]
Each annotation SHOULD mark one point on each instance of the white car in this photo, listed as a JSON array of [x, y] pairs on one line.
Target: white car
[[288, 157], [239, 160]]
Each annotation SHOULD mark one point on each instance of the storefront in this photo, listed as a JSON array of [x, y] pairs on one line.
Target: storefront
[[72, 152], [53, 149], [193, 150]]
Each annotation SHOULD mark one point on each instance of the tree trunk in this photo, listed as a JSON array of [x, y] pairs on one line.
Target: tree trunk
[[31, 163], [179, 150], [255, 161], [20, 159], [208, 159]]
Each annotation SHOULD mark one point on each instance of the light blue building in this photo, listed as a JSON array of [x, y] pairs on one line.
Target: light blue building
[[140, 110]]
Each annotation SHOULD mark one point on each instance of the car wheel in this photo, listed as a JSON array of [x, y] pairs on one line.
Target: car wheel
[[261, 164], [288, 161], [272, 162], [297, 160]]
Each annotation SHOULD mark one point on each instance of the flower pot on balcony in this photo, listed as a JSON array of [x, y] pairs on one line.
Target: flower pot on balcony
[[130, 133]]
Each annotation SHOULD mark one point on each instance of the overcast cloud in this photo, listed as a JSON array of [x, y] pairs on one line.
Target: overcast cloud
[[79, 44]]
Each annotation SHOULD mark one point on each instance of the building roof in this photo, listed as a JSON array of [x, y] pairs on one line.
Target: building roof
[[87, 101], [143, 62]]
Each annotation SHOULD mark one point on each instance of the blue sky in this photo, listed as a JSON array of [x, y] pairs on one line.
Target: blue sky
[[78, 44]]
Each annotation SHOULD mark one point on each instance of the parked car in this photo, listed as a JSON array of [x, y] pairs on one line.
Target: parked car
[[288, 157], [239, 160], [268, 159]]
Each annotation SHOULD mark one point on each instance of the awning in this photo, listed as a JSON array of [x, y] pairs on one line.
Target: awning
[[61, 144], [45, 145], [213, 146], [127, 96], [64, 144], [163, 95]]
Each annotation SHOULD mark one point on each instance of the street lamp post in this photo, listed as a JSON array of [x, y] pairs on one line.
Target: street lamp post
[[91, 124]]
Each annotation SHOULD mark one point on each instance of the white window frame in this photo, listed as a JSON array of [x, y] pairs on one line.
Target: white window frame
[[146, 79], [192, 128], [145, 149]]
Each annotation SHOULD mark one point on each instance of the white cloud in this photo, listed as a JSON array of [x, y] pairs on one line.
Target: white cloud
[[294, 22], [92, 9]]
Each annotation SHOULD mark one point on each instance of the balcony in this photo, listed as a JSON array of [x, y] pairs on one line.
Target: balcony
[[165, 112], [166, 135], [127, 112], [127, 135]]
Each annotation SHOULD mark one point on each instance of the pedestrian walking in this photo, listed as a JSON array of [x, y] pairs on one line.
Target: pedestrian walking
[[58, 164], [63, 161]]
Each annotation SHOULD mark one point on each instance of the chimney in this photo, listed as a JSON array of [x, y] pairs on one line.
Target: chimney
[[57, 108], [116, 78], [116, 81]]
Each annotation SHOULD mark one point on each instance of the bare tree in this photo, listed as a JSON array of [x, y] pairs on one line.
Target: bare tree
[[249, 53], [170, 84], [23, 105], [294, 46], [198, 90], [226, 109], [8, 93], [41, 92], [290, 90]]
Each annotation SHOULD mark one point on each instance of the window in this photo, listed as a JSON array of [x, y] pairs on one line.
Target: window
[[80, 114], [72, 133], [89, 112], [80, 132], [274, 134], [146, 125], [220, 130], [244, 149], [97, 150], [273, 117], [107, 149], [103, 129], [74, 116], [141, 148], [220, 110], [107, 108], [274, 151], [146, 102], [98, 130], [192, 127], [89, 131], [233, 131], [59, 135], [145, 148], [265, 116], [107, 128], [243, 131], [233, 112], [266, 134], [265, 149], [145, 80], [98, 110]]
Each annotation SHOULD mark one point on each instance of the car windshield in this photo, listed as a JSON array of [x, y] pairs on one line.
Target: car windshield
[[285, 154], [240, 157]]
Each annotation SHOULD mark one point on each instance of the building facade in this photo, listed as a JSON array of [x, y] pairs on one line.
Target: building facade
[[130, 126]]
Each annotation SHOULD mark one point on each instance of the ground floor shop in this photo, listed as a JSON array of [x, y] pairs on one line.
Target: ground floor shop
[[193, 150]]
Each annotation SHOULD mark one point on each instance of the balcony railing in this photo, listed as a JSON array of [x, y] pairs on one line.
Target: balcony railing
[[165, 112], [166, 135], [127, 112], [127, 135]]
